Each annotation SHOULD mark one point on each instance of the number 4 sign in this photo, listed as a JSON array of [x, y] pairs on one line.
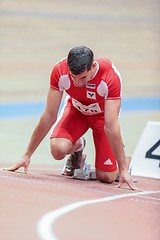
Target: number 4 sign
[[146, 158], [150, 152]]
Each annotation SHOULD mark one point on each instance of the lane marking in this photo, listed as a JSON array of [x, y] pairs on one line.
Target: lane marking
[[152, 198], [69, 16], [45, 225], [33, 109], [144, 201]]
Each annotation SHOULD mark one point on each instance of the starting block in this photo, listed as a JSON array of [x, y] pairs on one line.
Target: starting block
[[85, 173]]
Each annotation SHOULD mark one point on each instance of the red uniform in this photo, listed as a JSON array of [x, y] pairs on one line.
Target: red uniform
[[84, 108]]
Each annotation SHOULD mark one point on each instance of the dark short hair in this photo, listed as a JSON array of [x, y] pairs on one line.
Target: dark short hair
[[80, 59]]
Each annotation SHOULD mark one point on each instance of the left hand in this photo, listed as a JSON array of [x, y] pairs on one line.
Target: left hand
[[125, 177]]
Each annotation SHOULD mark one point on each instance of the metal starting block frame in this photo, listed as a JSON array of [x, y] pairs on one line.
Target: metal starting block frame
[[85, 173]]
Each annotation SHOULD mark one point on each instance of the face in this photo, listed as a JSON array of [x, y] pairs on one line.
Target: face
[[81, 80]]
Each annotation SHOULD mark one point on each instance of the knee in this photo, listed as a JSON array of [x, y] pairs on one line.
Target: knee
[[59, 149], [106, 177]]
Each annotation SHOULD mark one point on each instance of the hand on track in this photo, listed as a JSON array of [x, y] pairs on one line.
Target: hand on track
[[23, 163], [126, 178]]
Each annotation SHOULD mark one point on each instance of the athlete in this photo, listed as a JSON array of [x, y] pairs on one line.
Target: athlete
[[94, 92]]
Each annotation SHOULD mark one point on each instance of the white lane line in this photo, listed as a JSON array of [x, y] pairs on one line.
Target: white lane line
[[151, 198], [45, 225]]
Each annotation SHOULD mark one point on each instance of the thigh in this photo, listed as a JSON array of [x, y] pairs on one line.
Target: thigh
[[104, 160], [70, 124]]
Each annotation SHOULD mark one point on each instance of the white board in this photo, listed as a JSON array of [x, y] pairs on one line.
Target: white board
[[145, 161]]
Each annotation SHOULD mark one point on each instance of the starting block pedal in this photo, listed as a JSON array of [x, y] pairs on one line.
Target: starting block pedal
[[85, 173]]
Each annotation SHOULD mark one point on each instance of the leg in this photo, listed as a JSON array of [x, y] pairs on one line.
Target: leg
[[106, 177], [110, 177], [60, 147], [105, 162], [65, 139]]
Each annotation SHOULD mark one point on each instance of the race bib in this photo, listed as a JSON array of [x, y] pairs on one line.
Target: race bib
[[91, 109]]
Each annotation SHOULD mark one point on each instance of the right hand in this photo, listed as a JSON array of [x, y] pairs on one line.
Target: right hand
[[23, 163], [125, 177]]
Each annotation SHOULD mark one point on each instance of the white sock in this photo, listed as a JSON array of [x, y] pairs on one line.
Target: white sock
[[82, 147]]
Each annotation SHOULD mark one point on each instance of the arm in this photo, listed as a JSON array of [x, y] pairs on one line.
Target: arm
[[112, 130], [45, 123]]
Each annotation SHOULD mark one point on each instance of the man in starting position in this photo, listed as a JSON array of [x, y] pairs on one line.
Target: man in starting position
[[94, 99]]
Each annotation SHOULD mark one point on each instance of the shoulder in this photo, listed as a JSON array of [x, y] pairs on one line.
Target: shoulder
[[107, 67], [61, 66], [104, 66], [60, 69], [104, 62], [59, 78]]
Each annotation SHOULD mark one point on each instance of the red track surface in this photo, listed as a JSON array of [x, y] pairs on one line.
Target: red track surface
[[26, 199]]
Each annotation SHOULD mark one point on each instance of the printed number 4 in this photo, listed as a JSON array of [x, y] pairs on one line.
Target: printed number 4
[[149, 153]]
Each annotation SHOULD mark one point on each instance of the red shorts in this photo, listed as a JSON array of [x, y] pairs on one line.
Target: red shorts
[[72, 124]]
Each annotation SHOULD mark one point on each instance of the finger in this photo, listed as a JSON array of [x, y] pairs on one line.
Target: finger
[[26, 168], [119, 184], [133, 186], [11, 168], [14, 168]]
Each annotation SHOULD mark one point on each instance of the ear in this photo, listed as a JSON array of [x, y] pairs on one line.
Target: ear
[[93, 65]]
